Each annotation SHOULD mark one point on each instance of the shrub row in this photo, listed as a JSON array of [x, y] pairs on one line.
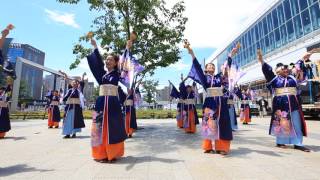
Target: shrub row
[[141, 114]]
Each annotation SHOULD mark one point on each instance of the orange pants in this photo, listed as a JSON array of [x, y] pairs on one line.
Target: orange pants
[[220, 145], [128, 129], [108, 151], [50, 120], [180, 123], [192, 124], [245, 117], [2, 134]]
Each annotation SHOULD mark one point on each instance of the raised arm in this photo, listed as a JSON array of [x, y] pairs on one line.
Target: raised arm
[[227, 66], [266, 68], [4, 34], [183, 90], [95, 62], [65, 98], [174, 92]]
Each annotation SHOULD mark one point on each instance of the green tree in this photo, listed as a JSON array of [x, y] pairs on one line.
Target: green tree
[[95, 93], [159, 28], [23, 90], [24, 94], [150, 90]]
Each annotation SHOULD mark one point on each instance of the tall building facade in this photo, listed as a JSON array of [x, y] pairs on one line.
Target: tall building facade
[[31, 76], [88, 92], [284, 31], [163, 94], [48, 83]]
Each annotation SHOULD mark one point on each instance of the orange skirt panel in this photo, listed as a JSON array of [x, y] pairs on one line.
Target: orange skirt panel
[[245, 117], [2, 134], [50, 115], [131, 131], [128, 116], [108, 151], [105, 150], [180, 123], [222, 145], [192, 125], [207, 144]]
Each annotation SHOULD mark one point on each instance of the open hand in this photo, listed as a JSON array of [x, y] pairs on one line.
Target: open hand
[[5, 32], [94, 43]]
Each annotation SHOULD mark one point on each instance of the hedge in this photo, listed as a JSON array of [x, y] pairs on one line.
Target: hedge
[[141, 114]]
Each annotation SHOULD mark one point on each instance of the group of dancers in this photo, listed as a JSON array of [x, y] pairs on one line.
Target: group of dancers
[[219, 117], [114, 118]]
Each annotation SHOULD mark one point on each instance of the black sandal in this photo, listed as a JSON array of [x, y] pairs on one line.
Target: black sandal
[[66, 137], [208, 151], [112, 161], [301, 148], [283, 146]]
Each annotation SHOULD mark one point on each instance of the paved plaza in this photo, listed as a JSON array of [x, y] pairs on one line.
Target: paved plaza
[[158, 151]]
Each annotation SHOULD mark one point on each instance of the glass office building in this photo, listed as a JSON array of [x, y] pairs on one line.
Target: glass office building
[[283, 25], [31, 75]]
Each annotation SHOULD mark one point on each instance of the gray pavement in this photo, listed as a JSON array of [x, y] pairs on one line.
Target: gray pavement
[[159, 151]]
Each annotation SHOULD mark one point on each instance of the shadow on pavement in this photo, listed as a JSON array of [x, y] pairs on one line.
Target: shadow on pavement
[[16, 138], [244, 151], [132, 161], [313, 148], [164, 138], [312, 118], [20, 168], [83, 137]]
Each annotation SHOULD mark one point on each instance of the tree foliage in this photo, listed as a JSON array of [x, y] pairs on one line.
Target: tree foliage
[[149, 90], [159, 28]]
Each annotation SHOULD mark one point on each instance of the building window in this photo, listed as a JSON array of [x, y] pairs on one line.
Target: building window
[[263, 46], [277, 37], [271, 38], [265, 26], [284, 35], [270, 24], [294, 7], [267, 43], [275, 18], [298, 26], [260, 30], [280, 14], [287, 10], [256, 30], [315, 15], [306, 21], [291, 35], [312, 1], [303, 4]]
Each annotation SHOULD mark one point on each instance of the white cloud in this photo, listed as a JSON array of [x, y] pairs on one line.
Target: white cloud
[[213, 22], [62, 18], [180, 66]]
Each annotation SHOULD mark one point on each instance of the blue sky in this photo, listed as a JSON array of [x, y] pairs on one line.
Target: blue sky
[[54, 28]]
